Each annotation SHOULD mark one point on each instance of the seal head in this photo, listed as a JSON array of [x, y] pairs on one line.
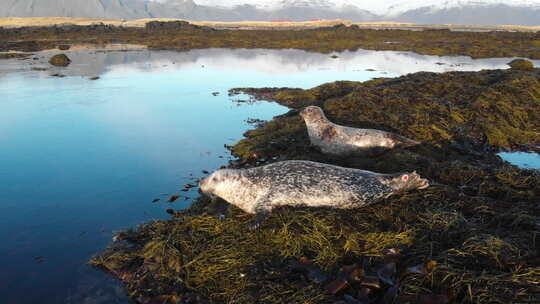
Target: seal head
[[313, 114], [232, 186], [406, 181], [216, 181]]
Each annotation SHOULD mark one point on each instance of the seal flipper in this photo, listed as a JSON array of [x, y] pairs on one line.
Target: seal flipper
[[262, 212], [259, 219]]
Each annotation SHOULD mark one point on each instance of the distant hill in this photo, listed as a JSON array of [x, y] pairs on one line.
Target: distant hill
[[474, 12], [500, 14], [127, 9]]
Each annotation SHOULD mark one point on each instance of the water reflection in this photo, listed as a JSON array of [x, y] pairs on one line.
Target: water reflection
[[355, 65]]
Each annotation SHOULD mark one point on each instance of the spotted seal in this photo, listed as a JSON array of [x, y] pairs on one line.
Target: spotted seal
[[338, 140], [304, 183]]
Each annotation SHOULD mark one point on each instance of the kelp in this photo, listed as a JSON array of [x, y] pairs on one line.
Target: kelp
[[472, 237]]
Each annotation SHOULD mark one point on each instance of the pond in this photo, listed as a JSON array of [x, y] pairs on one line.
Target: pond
[[83, 158]]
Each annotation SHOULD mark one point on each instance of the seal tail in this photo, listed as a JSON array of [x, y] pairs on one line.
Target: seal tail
[[405, 142]]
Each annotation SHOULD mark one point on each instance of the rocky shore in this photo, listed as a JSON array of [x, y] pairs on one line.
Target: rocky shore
[[472, 237]]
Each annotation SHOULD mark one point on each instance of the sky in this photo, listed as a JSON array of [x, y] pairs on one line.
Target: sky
[[382, 7]]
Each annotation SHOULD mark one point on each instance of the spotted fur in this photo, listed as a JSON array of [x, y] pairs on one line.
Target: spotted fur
[[305, 183], [339, 140]]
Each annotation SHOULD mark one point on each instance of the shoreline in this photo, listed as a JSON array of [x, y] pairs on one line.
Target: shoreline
[[182, 35], [19, 22]]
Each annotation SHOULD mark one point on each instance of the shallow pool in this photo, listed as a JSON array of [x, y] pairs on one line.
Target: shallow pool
[[522, 159]]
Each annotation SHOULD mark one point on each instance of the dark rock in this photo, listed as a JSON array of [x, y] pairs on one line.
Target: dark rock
[[64, 47], [174, 198], [60, 60], [160, 26], [94, 78]]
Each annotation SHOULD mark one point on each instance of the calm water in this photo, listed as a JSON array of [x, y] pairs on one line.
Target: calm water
[[80, 159], [522, 159]]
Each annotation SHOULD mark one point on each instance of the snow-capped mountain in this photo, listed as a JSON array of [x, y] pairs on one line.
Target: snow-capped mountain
[[397, 7], [377, 7], [280, 4], [480, 12], [474, 12]]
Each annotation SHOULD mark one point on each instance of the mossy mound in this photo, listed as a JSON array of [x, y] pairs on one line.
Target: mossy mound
[[492, 109], [521, 64], [476, 229], [60, 60]]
